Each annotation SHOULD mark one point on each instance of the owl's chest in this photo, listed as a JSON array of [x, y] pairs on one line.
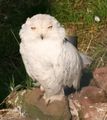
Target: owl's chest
[[41, 51]]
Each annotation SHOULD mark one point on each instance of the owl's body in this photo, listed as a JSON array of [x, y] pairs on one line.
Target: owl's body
[[50, 59]]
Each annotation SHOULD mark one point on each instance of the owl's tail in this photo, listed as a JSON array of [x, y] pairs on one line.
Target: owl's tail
[[86, 60]]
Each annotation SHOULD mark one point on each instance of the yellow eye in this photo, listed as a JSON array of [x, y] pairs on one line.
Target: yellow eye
[[33, 28], [50, 27]]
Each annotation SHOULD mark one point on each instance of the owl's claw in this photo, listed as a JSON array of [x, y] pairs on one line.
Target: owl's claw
[[42, 89]]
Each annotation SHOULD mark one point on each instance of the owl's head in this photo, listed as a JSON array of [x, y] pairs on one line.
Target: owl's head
[[42, 27]]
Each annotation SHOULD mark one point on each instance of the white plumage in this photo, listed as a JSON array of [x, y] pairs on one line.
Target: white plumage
[[48, 58]]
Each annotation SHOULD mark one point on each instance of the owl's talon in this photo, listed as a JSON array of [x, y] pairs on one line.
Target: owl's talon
[[42, 89]]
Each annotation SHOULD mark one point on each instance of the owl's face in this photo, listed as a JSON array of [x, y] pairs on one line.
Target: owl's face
[[42, 27]]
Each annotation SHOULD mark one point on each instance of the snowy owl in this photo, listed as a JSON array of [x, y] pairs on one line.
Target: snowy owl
[[48, 57]]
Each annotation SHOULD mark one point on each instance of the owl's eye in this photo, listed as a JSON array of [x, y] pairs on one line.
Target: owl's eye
[[49, 27], [33, 28]]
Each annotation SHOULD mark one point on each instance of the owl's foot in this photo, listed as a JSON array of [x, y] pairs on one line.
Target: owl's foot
[[53, 98], [42, 89]]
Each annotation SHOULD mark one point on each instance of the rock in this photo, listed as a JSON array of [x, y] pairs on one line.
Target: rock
[[90, 93], [88, 104], [34, 107], [82, 108], [94, 94], [77, 105], [100, 76], [11, 114], [96, 111], [52, 111]]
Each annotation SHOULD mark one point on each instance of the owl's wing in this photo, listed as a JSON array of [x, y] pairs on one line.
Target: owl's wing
[[85, 58], [72, 65], [73, 40], [74, 62]]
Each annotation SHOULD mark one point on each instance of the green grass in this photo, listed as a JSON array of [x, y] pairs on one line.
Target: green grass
[[13, 14], [79, 10]]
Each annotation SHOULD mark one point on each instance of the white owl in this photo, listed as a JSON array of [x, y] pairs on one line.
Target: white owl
[[48, 57]]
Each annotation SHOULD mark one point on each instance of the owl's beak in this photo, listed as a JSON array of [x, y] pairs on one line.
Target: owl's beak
[[42, 36]]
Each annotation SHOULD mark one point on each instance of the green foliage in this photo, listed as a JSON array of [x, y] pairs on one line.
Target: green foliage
[[79, 10]]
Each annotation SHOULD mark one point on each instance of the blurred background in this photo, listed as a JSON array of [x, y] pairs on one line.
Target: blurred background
[[85, 18]]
